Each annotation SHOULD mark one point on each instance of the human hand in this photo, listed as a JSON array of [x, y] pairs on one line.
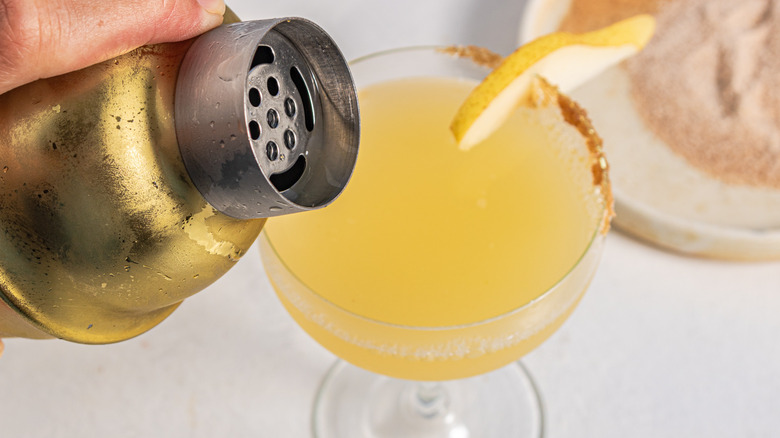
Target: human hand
[[45, 38]]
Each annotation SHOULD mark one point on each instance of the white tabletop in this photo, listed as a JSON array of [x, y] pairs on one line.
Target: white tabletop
[[662, 345]]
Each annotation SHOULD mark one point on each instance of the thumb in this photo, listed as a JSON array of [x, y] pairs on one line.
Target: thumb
[[1, 347], [44, 38]]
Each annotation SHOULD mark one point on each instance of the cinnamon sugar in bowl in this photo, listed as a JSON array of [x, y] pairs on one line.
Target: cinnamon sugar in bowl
[[691, 126]]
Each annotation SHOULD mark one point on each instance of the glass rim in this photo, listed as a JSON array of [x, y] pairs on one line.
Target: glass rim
[[596, 237], [398, 50]]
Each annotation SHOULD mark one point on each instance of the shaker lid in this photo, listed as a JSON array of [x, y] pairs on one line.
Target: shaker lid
[[267, 118]]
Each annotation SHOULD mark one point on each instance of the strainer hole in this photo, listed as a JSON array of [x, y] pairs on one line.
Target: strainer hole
[[303, 90], [273, 86], [289, 139], [285, 180], [263, 55], [272, 151], [289, 107], [254, 97], [254, 130], [272, 117]]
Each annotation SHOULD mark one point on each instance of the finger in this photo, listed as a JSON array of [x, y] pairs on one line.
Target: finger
[[44, 38], [1, 347]]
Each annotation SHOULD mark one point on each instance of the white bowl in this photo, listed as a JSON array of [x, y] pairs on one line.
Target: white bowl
[[659, 197]]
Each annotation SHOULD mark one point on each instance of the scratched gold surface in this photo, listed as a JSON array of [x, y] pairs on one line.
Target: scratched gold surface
[[102, 233]]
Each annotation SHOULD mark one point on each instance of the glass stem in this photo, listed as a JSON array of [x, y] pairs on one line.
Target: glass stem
[[430, 400]]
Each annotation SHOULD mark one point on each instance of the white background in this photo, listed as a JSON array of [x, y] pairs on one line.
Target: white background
[[661, 346]]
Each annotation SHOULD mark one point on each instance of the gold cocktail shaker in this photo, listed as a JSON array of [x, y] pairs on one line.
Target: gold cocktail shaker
[[130, 185]]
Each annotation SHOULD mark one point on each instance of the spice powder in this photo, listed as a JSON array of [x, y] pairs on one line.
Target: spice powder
[[708, 84]]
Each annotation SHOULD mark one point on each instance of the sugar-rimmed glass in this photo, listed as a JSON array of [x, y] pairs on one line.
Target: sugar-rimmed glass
[[467, 382]]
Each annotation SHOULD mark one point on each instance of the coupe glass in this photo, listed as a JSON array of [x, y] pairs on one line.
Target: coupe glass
[[468, 382]]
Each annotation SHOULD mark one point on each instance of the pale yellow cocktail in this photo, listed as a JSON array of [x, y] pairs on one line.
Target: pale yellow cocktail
[[438, 263]]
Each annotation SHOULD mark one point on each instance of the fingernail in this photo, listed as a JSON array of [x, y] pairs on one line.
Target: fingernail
[[213, 6]]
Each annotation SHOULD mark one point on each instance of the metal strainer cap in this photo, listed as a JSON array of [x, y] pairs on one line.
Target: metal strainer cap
[[266, 117]]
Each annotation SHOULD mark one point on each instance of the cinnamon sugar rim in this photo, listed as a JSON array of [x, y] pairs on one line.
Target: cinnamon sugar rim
[[573, 114]]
